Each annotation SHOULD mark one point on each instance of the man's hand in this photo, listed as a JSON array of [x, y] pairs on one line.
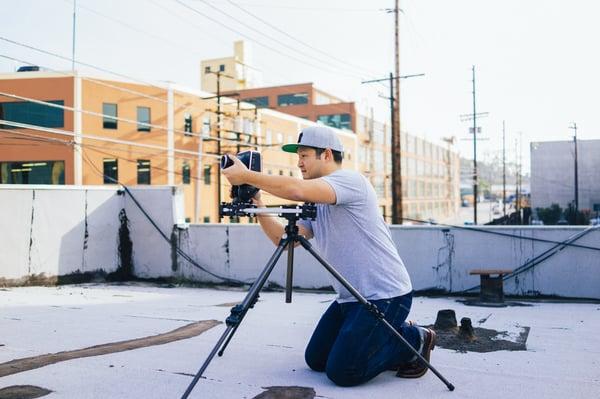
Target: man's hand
[[236, 173], [256, 200]]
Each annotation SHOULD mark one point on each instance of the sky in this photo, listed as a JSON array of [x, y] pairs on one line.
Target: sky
[[536, 62]]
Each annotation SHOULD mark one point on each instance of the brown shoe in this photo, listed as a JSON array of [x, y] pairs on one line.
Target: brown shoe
[[416, 368]]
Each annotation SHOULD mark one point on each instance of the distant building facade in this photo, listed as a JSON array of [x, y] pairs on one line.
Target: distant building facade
[[430, 171], [553, 173], [153, 135], [137, 134]]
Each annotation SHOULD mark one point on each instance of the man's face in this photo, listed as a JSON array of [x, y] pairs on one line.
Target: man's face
[[310, 165]]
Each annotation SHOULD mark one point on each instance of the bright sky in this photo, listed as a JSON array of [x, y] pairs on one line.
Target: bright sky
[[536, 61]]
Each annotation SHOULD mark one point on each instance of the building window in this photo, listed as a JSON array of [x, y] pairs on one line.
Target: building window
[[207, 69], [206, 126], [340, 121], [110, 114], [32, 172], [143, 171], [259, 102], [187, 124], [111, 171], [143, 119], [185, 172], [284, 100], [207, 170], [32, 114], [269, 137], [206, 219], [222, 68]]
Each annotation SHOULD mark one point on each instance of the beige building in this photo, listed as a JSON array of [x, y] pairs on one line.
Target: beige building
[[430, 178], [60, 128], [232, 73], [56, 128]]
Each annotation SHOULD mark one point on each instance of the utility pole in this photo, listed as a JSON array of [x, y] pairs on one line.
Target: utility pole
[[218, 130], [503, 170], [519, 181], [396, 171], [474, 152], [395, 131], [467, 117], [574, 127], [73, 50]]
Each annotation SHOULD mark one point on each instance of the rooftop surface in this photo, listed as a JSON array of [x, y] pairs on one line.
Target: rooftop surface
[[561, 360]]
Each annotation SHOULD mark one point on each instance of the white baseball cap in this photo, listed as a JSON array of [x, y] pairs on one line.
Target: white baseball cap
[[316, 137]]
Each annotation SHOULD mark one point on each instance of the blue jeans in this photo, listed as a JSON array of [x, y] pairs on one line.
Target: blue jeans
[[352, 346]]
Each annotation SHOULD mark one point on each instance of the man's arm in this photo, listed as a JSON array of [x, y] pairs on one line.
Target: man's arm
[[291, 188]]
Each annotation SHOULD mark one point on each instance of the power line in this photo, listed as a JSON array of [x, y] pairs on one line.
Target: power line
[[162, 234], [332, 9], [118, 21], [124, 142], [99, 82], [279, 52], [64, 107], [98, 149], [78, 62], [358, 68]]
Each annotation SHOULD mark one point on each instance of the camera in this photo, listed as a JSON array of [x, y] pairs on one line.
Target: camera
[[244, 192]]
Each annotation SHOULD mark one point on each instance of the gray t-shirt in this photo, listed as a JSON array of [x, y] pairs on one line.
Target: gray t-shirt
[[354, 238]]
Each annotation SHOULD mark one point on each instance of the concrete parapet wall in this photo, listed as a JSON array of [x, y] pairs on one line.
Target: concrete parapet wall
[[49, 231], [437, 258]]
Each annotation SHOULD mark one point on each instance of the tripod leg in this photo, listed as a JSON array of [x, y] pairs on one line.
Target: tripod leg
[[238, 312], [372, 308], [290, 273]]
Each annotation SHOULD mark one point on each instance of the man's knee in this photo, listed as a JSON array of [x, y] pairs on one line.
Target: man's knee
[[344, 377], [314, 362]]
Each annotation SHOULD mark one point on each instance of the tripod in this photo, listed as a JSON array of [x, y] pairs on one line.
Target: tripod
[[292, 214]]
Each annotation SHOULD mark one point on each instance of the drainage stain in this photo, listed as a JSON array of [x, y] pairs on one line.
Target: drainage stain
[[23, 392], [485, 340], [467, 338], [31, 363], [287, 393]]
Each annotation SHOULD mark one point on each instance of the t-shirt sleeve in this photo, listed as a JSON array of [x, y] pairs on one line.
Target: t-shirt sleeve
[[349, 187]]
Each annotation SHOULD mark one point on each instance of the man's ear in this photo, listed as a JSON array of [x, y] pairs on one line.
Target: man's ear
[[328, 154]]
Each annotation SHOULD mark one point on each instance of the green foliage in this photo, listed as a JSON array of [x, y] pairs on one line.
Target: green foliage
[[549, 215], [553, 214], [579, 218]]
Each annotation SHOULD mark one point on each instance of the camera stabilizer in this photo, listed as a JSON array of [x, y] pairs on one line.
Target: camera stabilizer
[[292, 213]]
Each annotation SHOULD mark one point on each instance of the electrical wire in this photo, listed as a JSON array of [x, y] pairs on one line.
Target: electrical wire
[[545, 255], [285, 45], [475, 229], [179, 251], [63, 107], [333, 106], [358, 68], [79, 62], [278, 52], [131, 27]]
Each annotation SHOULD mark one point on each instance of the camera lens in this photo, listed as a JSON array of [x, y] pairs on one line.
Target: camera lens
[[226, 161]]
